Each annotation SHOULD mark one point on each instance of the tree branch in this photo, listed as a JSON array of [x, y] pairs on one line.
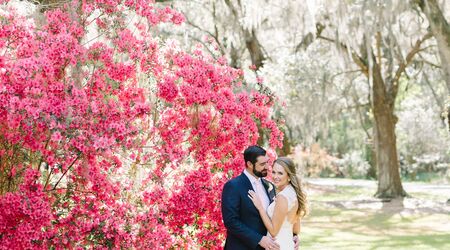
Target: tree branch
[[356, 58], [435, 95], [414, 50], [215, 36], [67, 170]]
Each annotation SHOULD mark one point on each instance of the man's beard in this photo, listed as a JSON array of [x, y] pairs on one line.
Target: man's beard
[[259, 173]]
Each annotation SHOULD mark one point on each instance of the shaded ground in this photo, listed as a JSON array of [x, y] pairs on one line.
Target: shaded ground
[[344, 215]]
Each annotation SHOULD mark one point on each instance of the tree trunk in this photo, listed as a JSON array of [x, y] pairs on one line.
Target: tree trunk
[[389, 183], [286, 149], [251, 41], [441, 31], [254, 48], [235, 58], [370, 157]]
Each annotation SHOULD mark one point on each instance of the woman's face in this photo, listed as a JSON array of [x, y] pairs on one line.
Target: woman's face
[[280, 176]]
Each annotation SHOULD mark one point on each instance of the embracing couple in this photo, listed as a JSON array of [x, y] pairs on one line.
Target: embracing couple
[[258, 214]]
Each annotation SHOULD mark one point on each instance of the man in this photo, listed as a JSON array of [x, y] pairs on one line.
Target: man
[[245, 229]]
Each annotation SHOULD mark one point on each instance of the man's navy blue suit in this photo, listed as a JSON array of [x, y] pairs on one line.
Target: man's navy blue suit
[[245, 227]]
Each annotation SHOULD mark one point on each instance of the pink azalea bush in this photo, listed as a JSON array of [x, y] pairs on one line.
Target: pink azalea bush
[[73, 108]]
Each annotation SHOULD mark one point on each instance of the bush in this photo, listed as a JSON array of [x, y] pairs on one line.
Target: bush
[[424, 168], [353, 165], [316, 162]]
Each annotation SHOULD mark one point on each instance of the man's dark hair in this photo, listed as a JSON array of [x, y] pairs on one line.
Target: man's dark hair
[[253, 152]]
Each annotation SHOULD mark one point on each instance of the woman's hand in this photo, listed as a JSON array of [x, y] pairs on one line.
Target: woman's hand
[[255, 199]]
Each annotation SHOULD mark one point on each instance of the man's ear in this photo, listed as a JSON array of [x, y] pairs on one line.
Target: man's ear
[[248, 164]]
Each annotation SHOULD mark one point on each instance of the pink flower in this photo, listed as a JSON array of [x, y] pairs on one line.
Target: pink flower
[[75, 110], [56, 136], [259, 79]]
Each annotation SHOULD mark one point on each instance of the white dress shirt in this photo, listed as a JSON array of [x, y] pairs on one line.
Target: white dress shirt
[[258, 188]]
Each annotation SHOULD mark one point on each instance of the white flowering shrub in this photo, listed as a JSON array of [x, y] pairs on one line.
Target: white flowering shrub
[[353, 165]]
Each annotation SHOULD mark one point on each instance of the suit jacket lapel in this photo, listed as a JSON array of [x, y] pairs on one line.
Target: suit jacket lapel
[[270, 190], [246, 181]]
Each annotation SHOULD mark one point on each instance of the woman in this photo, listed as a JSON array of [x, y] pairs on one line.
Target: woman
[[282, 218]]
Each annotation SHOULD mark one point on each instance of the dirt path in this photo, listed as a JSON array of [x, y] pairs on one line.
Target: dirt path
[[443, 189], [426, 198]]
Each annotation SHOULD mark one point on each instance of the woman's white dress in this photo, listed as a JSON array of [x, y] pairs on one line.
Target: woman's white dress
[[285, 237]]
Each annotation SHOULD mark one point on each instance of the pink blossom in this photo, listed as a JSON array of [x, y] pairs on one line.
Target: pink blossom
[[75, 111]]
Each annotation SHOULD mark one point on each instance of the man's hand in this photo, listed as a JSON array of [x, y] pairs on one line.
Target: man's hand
[[296, 242], [269, 243]]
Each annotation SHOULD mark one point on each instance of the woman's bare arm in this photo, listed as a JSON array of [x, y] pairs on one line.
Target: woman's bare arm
[[297, 226], [280, 212]]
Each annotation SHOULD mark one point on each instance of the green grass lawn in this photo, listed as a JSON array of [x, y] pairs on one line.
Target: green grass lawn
[[350, 218]]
